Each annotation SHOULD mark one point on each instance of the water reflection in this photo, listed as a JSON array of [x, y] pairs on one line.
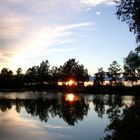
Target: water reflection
[[126, 125], [69, 111], [69, 107], [70, 97], [122, 112]]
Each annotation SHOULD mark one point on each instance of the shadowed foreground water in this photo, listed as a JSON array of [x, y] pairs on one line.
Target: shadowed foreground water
[[69, 116]]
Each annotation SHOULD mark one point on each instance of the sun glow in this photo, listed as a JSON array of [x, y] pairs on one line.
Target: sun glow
[[71, 83]]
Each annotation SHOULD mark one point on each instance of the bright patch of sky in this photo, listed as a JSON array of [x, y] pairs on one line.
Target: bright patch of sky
[[36, 30]]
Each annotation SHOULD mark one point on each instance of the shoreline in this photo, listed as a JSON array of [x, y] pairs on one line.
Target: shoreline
[[118, 90]]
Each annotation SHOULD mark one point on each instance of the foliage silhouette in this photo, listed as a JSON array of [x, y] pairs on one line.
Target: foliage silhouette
[[55, 75], [39, 75], [44, 72], [6, 78], [99, 77], [129, 11], [72, 70], [132, 66], [19, 78], [114, 72], [44, 77], [31, 76]]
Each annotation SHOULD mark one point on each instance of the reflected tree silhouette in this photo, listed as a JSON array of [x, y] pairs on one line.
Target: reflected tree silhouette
[[5, 104], [124, 120], [125, 125], [38, 108], [107, 105], [99, 106], [42, 108], [72, 112]]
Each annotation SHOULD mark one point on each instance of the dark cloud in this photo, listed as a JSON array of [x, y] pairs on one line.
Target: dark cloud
[[3, 60], [8, 54]]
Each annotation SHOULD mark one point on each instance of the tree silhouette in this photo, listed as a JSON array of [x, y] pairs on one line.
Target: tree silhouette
[[129, 11], [19, 78], [81, 74], [132, 66], [44, 72], [6, 78], [137, 49], [31, 76], [114, 72], [72, 70], [99, 77], [55, 75], [41, 76], [19, 71]]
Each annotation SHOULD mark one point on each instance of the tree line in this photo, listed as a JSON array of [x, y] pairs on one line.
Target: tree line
[[71, 70], [116, 76], [44, 75]]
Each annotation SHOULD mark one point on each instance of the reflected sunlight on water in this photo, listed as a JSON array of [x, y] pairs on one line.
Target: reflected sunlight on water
[[70, 97], [128, 100]]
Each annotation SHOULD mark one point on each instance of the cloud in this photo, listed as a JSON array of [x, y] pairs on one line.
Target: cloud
[[98, 13], [63, 49], [11, 25], [98, 2], [52, 9], [3, 60], [56, 5], [37, 25], [8, 54], [44, 41], [26, 127], [56, 127]]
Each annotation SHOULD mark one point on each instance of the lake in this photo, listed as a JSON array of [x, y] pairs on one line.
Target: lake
[[68, 116]]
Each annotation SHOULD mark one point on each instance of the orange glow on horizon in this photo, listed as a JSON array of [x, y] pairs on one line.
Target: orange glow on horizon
[[71, 83]]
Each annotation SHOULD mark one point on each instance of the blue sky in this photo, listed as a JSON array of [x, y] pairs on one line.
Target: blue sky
[[36, 30]]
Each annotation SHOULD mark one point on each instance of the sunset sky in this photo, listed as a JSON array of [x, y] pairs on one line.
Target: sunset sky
[[56, 30]]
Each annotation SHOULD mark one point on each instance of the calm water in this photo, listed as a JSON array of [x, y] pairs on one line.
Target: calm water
[[57, 116]]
